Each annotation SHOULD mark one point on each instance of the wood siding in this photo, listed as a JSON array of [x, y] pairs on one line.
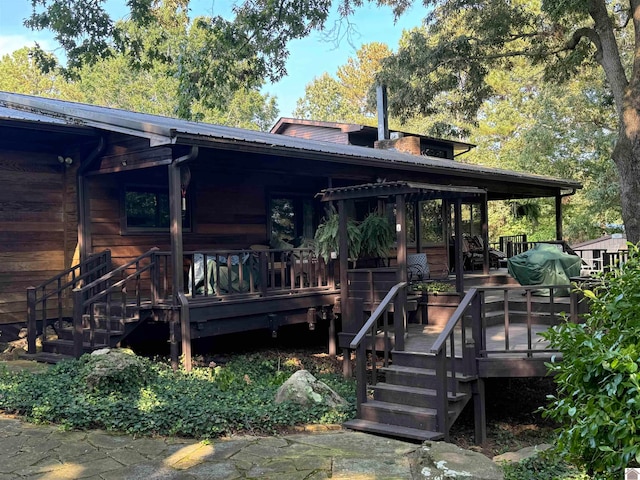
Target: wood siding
[[38, 227], [312, 132]]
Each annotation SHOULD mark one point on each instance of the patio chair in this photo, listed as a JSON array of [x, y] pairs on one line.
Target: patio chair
[[417, 267]]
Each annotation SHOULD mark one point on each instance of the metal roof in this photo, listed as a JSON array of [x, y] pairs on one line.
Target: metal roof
[[12, 114], [165, 131], [414, 191]]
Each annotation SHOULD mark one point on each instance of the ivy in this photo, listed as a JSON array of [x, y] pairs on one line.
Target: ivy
[[205, 403]]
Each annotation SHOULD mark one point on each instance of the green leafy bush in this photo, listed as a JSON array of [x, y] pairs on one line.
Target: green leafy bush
[[204, 403], [327, 238], [598, 398], [543, 466], [377, 234]]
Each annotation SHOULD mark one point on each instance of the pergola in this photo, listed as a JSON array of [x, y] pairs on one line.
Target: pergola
[[402, 193]]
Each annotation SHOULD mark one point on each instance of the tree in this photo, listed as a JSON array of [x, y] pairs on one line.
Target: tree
[[212, 56], [464, 40], [323, 100]]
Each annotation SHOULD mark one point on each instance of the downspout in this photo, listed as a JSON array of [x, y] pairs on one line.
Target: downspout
[[84, 217], [559, 197], [177, 253]]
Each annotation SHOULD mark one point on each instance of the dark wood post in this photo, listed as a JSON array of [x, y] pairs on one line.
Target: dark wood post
[[459, 261], [484, 219], [417, 226], [177, 254], [400, 303], [343, 258], [558, 217], [78, 311], [32, 329]]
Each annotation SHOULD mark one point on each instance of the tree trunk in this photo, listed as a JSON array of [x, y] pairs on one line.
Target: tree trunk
[[626, 156]]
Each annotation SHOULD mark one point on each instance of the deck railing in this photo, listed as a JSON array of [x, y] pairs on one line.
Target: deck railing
[[234, 274], [51, 301], [379, 321]]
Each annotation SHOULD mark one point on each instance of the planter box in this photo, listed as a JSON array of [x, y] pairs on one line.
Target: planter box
[[440, 307]]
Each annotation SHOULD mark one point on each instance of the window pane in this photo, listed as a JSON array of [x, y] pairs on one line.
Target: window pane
[[283, 221], [142, 209], [431, 224]]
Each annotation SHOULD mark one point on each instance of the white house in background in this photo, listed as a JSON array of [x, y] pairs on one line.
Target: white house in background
[[593, 251]]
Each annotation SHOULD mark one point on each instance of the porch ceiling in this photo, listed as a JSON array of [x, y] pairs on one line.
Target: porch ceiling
[[411, 190]]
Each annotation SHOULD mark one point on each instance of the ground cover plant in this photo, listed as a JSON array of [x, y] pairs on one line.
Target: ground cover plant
[[598, 397], [152, 399]]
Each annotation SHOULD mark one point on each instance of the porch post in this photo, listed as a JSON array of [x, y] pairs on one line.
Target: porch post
[[417, 227], [484, 220], [400, 304], [343, 259], [558, 216], [175, 219], [459, 261]]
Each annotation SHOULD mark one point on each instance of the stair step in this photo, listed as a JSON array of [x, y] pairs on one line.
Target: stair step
[[419, 377], [392, 430], [65, 347], [100, 334], [401, 415], [47, 357], [414, 396], [420, 360]]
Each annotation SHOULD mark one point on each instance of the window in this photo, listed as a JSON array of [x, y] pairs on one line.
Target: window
[[291, 218], [431, 222], [147, 208]]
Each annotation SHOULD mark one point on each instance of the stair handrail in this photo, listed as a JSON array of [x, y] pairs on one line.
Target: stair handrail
[[103, 264], [82, 301], [473, 298], [360, 346]]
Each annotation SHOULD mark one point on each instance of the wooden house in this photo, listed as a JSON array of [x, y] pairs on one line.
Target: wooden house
[[114, 219]]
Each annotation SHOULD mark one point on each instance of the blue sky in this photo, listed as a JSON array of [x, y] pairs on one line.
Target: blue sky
[[309, 57]]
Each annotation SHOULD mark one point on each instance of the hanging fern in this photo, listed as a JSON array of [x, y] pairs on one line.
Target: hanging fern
[[377, 234], [327, 239]]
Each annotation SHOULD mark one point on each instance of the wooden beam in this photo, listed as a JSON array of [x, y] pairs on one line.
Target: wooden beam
[[343, 258]]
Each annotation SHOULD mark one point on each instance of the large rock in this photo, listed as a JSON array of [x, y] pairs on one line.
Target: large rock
[[445, 461], [521, 454], [115, 370], [305, 389]]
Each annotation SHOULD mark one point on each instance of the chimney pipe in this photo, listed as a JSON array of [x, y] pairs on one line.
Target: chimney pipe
[[383, 119]]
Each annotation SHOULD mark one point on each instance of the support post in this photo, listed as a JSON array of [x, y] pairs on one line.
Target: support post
[[484, 219], [558, 217], [343, 258], [459, 261], [479, 412], [173, 339], [32, 330], [332, 335], [400, 303], [77, 323], [177, 254]]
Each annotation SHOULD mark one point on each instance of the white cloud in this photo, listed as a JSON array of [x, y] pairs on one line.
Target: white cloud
[[11, 43]]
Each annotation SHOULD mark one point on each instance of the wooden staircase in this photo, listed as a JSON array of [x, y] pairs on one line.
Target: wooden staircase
[[108, 332], [405, 404]]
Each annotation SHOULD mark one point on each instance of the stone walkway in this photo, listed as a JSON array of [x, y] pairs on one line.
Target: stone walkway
[[45, 452]]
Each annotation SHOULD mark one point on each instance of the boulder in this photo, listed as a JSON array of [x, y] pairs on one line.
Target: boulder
[[305, 389], [115, 370], [521, 454], [445, 461]]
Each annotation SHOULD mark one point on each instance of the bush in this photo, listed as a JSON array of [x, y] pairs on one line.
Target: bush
[[543, 466], [204, 403], [598, 398]]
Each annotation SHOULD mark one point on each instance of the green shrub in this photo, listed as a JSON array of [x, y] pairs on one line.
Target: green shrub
[[204, 403], [598, 398], [544, 466]]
